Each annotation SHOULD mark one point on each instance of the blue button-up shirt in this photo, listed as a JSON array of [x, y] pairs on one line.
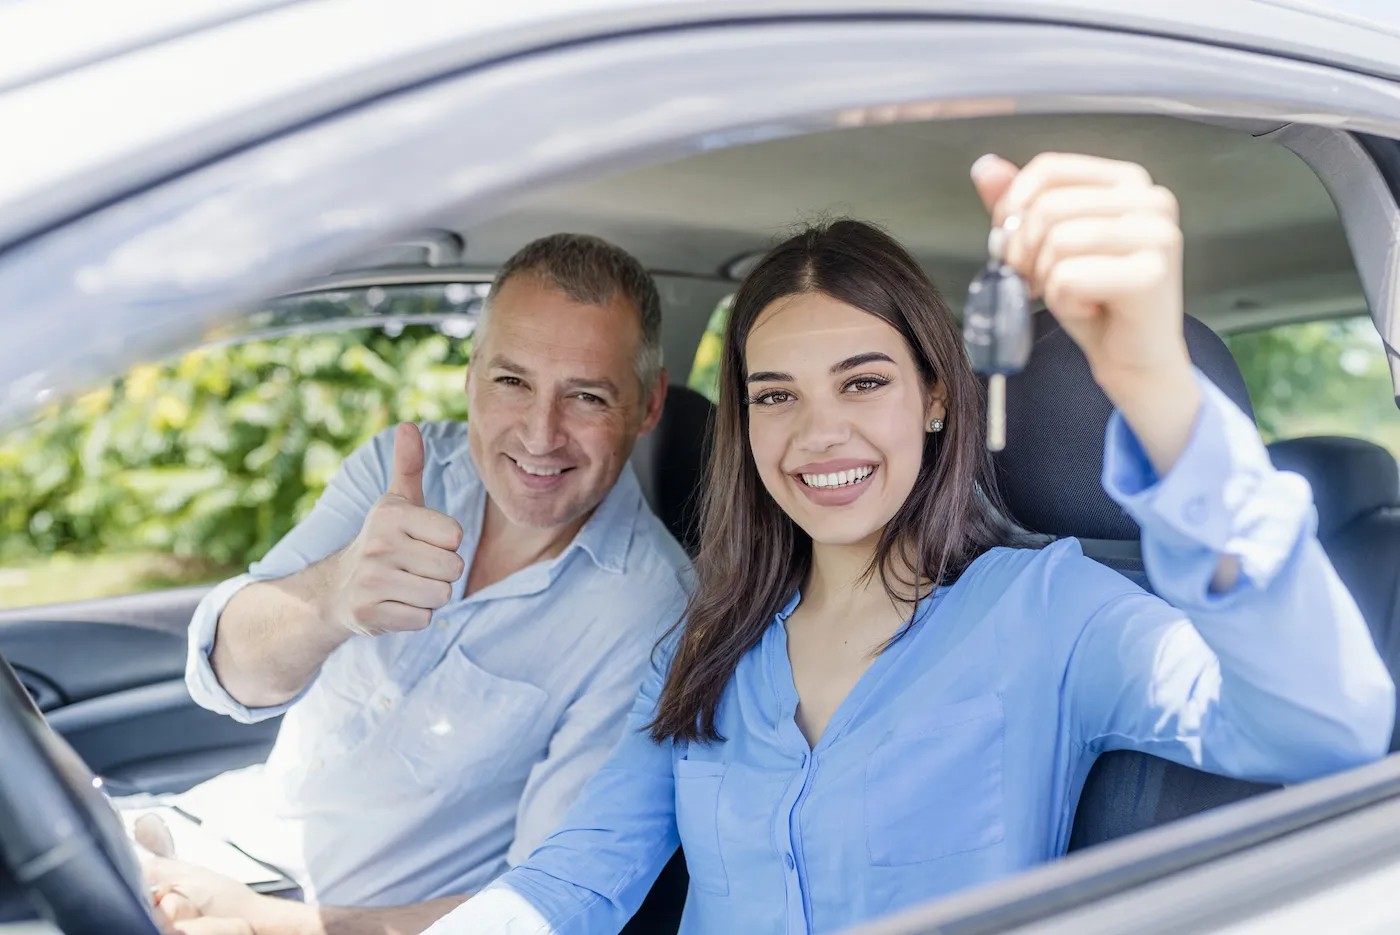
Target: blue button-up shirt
[[959, 755], [420, 764]]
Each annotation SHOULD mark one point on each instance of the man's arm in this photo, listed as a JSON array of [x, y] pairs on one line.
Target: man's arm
[[197, 900], [271, 636]]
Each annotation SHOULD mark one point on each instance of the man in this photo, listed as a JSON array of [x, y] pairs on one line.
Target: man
[[458, 628]]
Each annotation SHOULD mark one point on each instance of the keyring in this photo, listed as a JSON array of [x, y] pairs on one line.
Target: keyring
[[998, 236]]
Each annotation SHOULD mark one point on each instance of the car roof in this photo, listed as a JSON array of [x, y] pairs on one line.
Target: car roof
[[81, 98]]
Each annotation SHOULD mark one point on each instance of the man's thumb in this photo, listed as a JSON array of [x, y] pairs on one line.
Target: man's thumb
[[407, 478]]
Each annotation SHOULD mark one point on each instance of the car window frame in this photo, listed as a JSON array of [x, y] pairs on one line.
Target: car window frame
[[72, 273]]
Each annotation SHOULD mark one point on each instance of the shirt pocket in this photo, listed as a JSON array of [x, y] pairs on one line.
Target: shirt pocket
[[935, 788], [697, 822], [463, 724]]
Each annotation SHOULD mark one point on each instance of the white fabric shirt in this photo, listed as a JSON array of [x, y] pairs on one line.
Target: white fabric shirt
[[422, 764]]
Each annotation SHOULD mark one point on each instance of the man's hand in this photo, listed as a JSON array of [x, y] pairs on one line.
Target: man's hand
[[401, 566]]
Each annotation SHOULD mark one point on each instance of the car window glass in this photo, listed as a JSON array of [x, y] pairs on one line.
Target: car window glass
[[185, 471], [704, 371], [1319, 378]]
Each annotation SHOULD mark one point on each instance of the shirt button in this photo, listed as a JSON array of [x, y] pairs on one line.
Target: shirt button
[[441, 623], [385, 703], [787, 859]]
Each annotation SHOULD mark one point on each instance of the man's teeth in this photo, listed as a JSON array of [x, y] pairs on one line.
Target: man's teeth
[[538, 471], [838, 479]]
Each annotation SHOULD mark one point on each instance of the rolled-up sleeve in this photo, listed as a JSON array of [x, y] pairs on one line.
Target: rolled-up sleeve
[[1274, 679], [332, 523]]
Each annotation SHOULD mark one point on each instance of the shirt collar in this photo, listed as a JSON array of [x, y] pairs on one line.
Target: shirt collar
[[607, 535]]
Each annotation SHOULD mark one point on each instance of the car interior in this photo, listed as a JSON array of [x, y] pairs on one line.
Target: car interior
[[1264, 246]]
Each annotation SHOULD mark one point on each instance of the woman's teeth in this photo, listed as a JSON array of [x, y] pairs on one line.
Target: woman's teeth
[[838, 479]]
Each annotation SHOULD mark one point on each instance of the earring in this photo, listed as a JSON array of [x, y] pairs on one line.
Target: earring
[[935, 425]]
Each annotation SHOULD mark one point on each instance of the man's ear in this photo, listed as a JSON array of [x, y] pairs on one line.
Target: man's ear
[[655, 402]]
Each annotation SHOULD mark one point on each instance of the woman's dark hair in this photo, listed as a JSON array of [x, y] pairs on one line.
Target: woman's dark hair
[[752, 556]]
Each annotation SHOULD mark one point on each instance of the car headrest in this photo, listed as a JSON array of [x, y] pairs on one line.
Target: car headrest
[[1056, 415], [1349, 477], [670, 459]]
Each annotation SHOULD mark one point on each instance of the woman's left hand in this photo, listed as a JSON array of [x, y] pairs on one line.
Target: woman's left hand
[[1100, 242]]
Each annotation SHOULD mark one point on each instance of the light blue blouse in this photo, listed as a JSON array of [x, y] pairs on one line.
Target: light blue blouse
[[959, 756]]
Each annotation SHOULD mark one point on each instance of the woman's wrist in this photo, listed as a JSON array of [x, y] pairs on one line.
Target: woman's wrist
[[1160, 405]]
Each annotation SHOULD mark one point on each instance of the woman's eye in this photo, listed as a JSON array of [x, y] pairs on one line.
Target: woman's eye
[[865, 384], [772, 398]]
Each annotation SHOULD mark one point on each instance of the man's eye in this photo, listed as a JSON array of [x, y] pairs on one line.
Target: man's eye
[[592, 400], [509, 381]]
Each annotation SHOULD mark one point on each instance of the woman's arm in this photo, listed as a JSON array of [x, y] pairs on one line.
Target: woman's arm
[[1257, 663], [1273, 678], [592, 874]]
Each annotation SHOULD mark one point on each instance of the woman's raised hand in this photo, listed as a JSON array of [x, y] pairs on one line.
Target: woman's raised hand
[[1101, 244]]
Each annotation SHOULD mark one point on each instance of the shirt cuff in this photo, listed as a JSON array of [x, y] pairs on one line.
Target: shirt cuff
[[499, 910], [200, 679], [1221, 497]]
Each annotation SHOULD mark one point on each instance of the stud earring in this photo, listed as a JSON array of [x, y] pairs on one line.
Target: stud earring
[[935, 425]]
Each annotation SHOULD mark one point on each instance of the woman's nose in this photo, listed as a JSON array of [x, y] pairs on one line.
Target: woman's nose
[[821, 427]]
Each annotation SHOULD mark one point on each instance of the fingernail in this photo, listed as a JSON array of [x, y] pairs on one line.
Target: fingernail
[[984, 162]]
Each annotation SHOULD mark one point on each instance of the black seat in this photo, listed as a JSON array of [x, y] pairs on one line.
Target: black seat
[[1050, 474], [1356, 486], [671, 459]]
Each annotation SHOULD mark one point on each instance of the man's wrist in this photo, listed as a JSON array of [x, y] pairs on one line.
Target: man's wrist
[[276, 916]]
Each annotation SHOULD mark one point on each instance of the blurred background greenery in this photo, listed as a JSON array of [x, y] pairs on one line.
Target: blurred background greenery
[[184, 472]]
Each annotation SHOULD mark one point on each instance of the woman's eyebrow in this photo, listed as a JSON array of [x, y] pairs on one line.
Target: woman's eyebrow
[[851, 363], [769, 376]]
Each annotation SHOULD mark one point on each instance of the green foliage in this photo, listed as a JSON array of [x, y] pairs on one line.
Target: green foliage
[[1320, 377], [704, 372], [215, 456]]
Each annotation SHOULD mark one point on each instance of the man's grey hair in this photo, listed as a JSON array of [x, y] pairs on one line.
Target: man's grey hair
[[590, 270]]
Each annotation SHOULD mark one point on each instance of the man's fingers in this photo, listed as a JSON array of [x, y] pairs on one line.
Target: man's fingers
[[1056, 170], [434, 528], [406, 478], [205, 926], [152, 834], [390, 617], [390, 585], [177, 907], [430, 561]]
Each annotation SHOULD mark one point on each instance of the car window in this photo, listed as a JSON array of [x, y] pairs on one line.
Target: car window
[[1319, 378], [704, 371], [185, 471]]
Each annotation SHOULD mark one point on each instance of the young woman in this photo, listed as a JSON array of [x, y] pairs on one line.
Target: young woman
[[877, 697]]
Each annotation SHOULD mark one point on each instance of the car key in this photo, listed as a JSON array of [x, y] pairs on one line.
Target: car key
[[997, 328]]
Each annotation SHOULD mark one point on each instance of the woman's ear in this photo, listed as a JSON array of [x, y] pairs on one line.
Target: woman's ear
[[936, 412]]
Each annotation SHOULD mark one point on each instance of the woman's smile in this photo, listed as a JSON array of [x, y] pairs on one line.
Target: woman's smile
[[835, 483]]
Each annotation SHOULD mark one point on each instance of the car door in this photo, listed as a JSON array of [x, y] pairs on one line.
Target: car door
[[604, 102]]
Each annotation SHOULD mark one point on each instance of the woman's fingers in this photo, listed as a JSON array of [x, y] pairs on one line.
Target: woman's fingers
[[1112, 236], [1077, 286], [1057, 206], [1060, 170], [992, 176]]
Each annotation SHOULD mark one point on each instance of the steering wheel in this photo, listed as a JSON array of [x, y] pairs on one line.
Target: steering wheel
[[59, 836]]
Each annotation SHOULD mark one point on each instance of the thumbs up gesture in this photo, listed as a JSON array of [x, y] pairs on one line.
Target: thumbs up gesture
[[401, 566]]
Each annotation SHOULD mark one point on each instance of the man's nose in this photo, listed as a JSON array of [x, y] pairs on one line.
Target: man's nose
[[541, 431]]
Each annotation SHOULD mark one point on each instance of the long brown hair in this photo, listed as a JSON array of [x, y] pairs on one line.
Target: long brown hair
[[752, 556]]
